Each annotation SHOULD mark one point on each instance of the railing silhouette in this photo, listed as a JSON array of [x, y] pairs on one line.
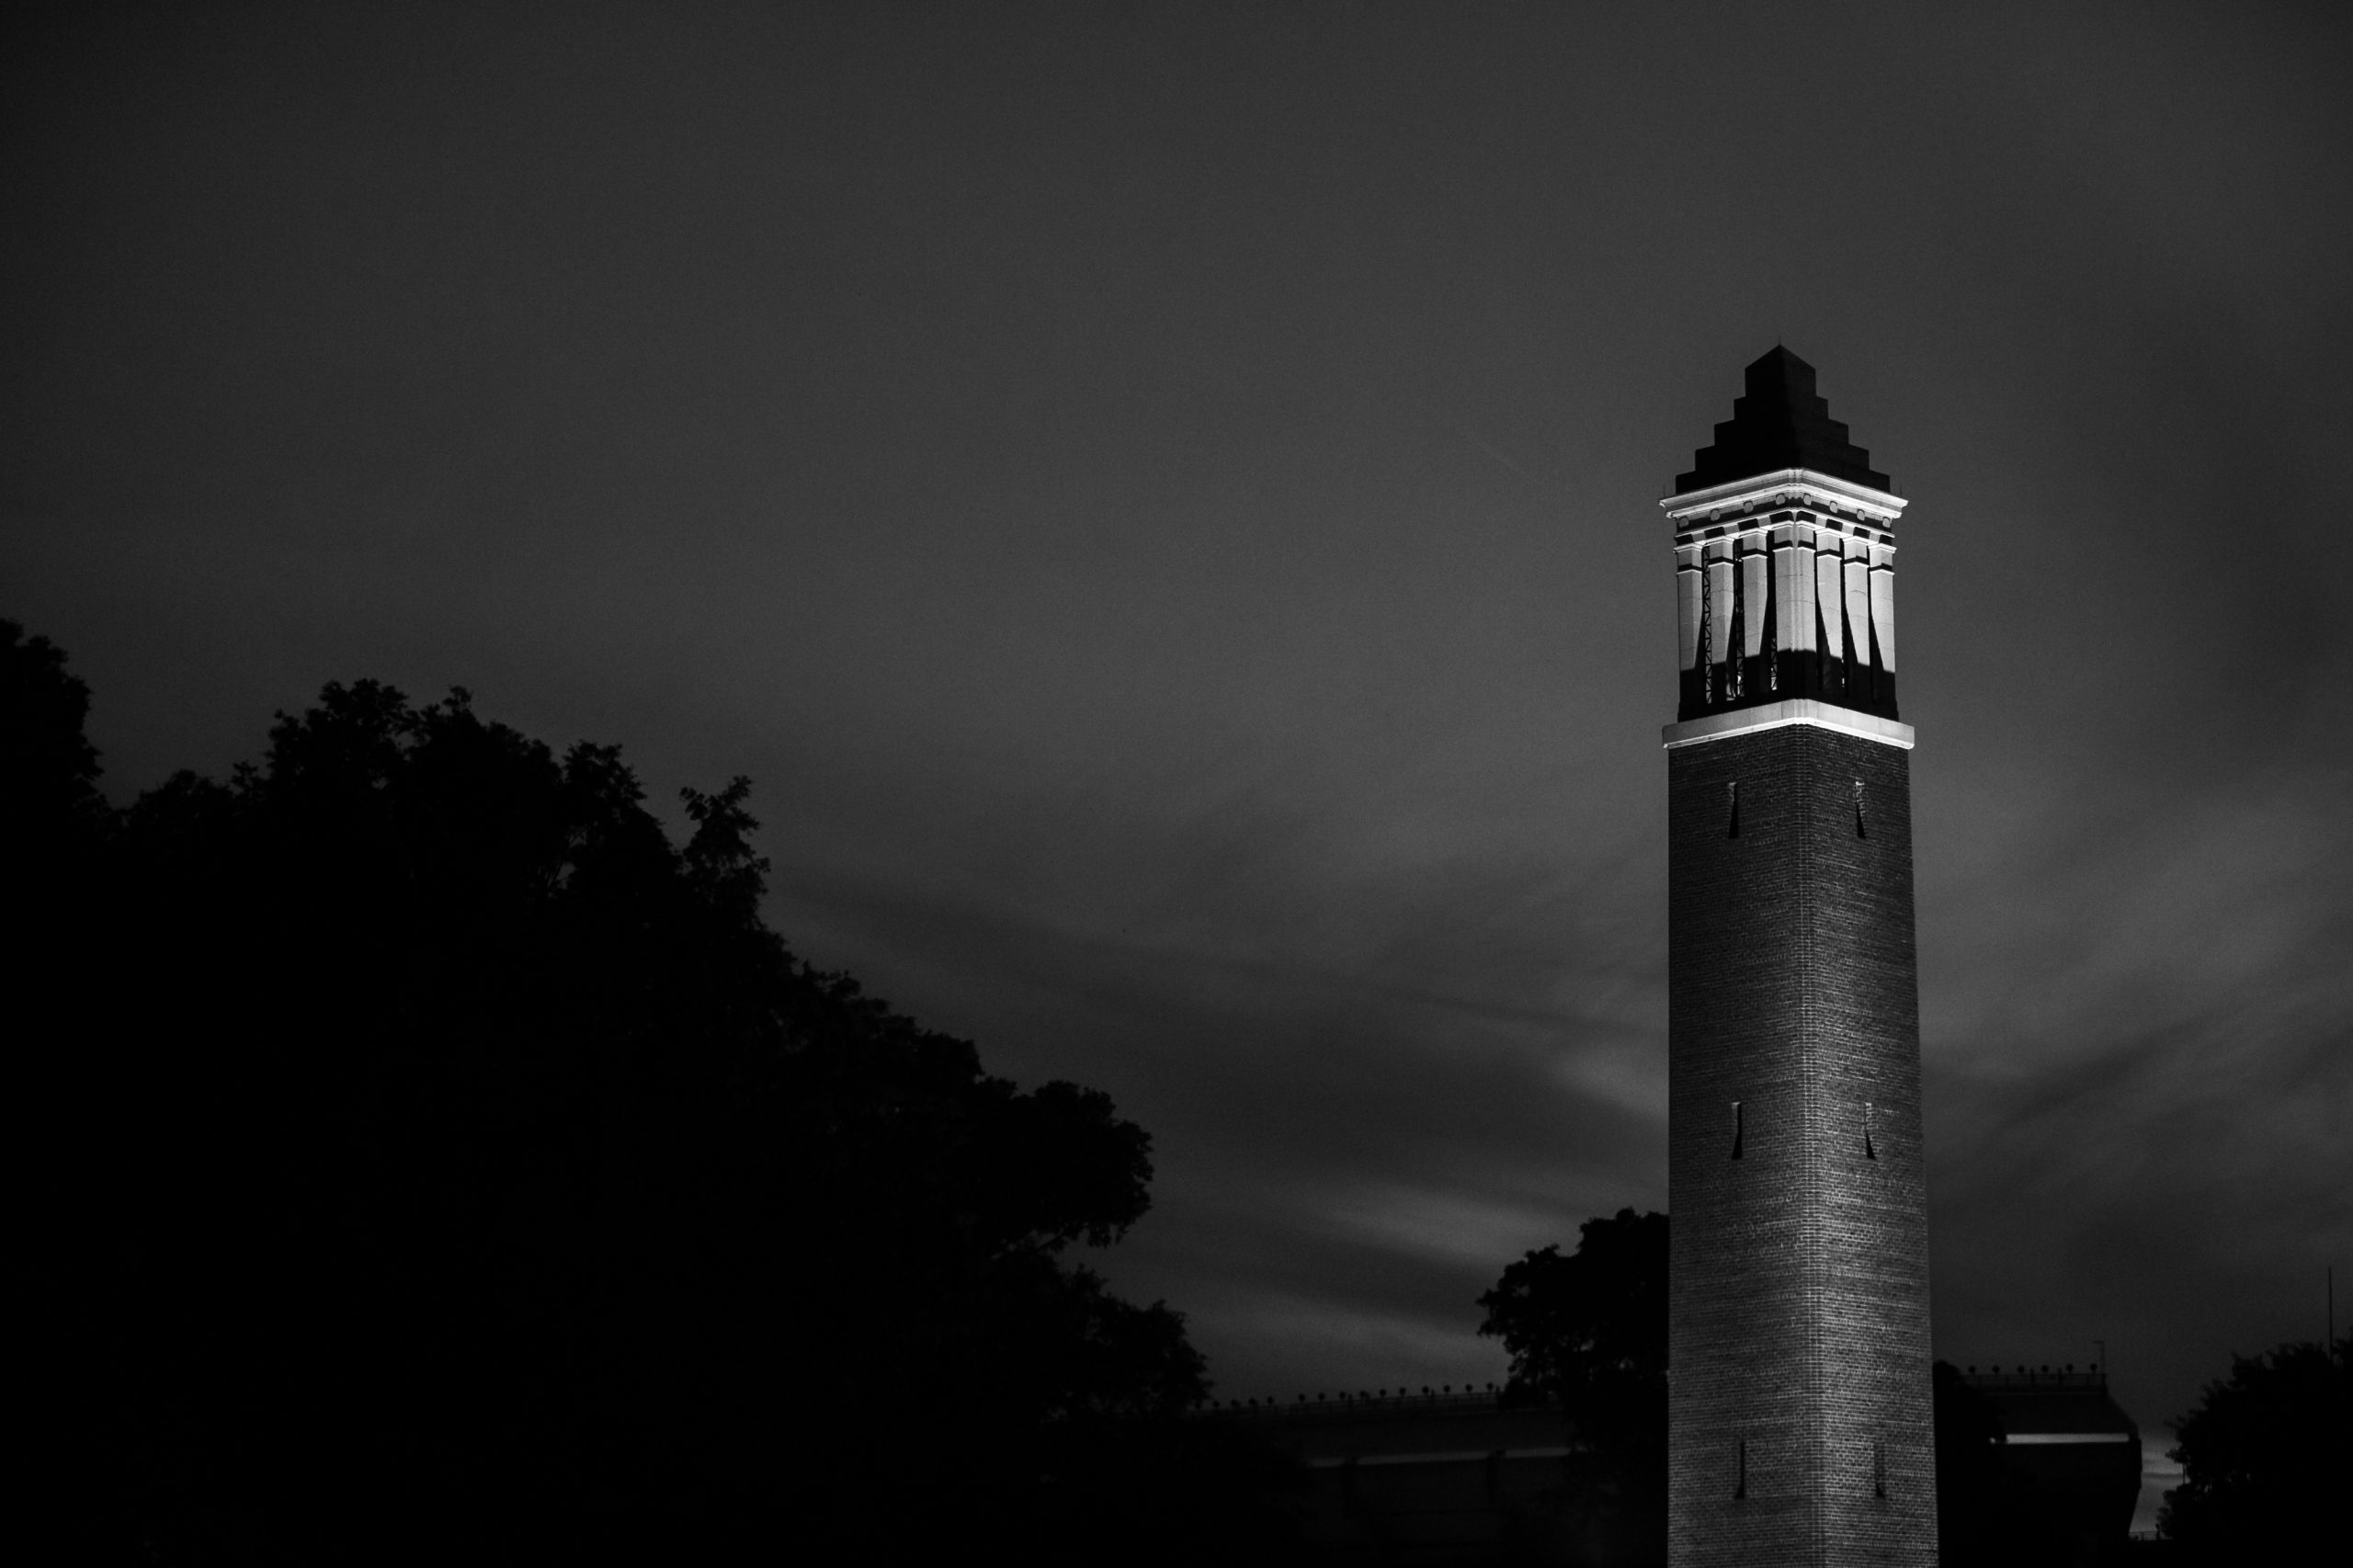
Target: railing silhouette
[[2095, 1379], [1366, 1402]]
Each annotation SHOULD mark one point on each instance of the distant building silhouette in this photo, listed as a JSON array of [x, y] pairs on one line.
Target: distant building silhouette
[[1447, 1478], [1460, 1480], [1799, 1409], [2072, 1454]]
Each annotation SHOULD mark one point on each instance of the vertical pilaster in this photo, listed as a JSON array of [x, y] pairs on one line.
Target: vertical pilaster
[[1797, 662], [1757, 612], [1884, 617], [1724, 673], [1855, 571]]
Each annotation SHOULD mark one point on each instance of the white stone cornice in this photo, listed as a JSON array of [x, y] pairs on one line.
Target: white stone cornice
[[1796, 485], [1797, 710]]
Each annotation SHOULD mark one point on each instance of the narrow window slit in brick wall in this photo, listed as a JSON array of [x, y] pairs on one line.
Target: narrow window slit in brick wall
[[1740, 1478], [1870, 1150], [1879, 1468], [1732, 808], [1859, 811], [1736, 1128]]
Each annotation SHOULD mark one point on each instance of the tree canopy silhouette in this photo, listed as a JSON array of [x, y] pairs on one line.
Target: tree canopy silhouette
[[427, 1149], [2262, 1454], [1588, 1332]]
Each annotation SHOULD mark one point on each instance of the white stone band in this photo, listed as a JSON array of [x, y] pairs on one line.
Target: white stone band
[[1800, 485], [1797, 710]]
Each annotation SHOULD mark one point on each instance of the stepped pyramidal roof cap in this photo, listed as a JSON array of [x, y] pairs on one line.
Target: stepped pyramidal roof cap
[[1780, 422]]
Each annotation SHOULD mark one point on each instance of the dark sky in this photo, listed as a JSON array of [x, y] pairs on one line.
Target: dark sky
[[1163, 504]]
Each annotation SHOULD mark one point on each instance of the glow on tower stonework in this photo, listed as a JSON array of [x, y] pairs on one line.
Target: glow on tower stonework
[[1800, 1426]]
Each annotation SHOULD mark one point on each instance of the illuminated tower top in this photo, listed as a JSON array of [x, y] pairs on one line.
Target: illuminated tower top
[[1785, 565]]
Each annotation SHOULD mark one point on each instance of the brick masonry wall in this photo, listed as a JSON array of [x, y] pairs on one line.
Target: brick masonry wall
[[1799, 1303]]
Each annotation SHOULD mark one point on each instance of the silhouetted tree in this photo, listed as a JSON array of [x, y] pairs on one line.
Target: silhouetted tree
[[49, 770], [1588, 1332], [54, 830], [2262, 1455], [452, 1163]]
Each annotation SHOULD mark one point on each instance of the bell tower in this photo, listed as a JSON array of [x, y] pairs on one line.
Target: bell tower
[[1799, 1427]]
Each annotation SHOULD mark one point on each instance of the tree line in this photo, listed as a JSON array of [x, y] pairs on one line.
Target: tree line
[[414, 1151]]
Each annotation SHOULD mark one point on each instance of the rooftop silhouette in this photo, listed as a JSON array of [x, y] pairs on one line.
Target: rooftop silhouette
[[1780, 421]]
